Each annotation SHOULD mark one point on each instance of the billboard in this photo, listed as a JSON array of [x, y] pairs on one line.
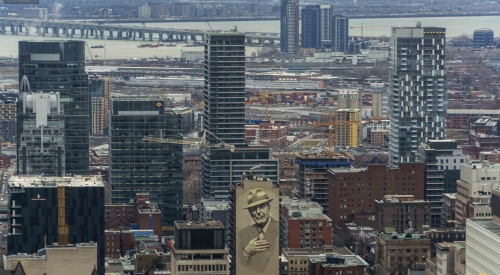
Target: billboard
[[257, 228]]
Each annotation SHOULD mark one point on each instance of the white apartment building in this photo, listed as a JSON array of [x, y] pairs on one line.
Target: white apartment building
[[473, 200]]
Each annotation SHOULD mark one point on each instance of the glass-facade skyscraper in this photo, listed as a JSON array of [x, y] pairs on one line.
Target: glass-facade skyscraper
[[138, 166], [289, 26], [59, 66]]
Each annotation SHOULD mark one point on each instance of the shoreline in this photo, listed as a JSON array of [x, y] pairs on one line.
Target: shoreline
[[271, 18]]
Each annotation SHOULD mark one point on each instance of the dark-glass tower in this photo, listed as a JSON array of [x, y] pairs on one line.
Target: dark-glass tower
[[59, 66], [136, 165]]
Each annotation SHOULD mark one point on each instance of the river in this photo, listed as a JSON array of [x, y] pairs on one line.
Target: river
[[120, 49]]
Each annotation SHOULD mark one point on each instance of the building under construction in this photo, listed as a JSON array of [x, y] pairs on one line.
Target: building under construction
[[312, 174], [347, 130]]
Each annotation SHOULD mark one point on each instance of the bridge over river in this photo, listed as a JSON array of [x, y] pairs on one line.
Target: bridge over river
[[72, 29]]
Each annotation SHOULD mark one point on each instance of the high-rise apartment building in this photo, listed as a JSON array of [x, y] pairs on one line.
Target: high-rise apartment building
[[138, 166], [224, 118], [144, 11], [38, 13], [99, 104], [41, 151], [59, 66], [347, 130], [310, 27], [340, 33], [289, 26], [316, 26], [417, 88], [157, 9], [56, 211], [442, 160]]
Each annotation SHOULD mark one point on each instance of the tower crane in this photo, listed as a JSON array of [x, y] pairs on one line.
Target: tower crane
[[209, 25], [202, 144], [362, 27], [353, 124]]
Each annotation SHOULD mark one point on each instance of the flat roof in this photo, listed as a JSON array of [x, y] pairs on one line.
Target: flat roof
[[42, 181], [137, 98], [199, 225], [487, 224], [473, 111]]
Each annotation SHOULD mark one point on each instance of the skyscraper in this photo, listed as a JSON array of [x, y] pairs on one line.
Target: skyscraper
[[310, 34], [340, 33], [325, 24], [224, 118], [59, 66], [289, 29], [417, 79], [136, 165]]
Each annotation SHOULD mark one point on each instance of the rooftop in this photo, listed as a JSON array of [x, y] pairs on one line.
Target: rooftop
[[488, 225], [199, 225], [402, 237], [137, 98], [42, 181], [320, 250], [330, 260]]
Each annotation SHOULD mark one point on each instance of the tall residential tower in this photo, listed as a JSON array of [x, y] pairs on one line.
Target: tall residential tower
[[224, 118], [417, 90], [289, 28]]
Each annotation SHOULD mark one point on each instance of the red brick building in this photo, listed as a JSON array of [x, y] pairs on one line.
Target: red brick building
[[272, 134], [352, 192], [140, 215], [493, 156], [401, 212], [303, 225], [4, 161], [460, 118]]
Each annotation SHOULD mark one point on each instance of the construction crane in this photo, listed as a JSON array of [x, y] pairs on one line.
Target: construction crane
[[353, 124], [362, 27], [209, 25], [90, 53], [202, 144], [265, 98], [483, 58]]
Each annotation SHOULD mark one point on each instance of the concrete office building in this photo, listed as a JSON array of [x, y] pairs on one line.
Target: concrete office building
[[483, 241], [477, 180], [59, 66], [289, 26], [99, 104], [199, 248], [42, 139], [142, 166], [442, 160], [417, 88], [75, 259], [56, 211], [227, 156], [483, 38], [340, 33]]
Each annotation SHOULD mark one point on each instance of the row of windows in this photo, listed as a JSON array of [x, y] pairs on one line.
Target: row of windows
[[212, 267]]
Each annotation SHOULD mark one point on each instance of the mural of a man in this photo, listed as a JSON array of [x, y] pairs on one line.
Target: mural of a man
[[258, 242]]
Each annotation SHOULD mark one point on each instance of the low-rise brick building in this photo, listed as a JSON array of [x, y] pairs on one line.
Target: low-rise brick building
[[303, 224], [401, 212], [352, 192], [330, 264]]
